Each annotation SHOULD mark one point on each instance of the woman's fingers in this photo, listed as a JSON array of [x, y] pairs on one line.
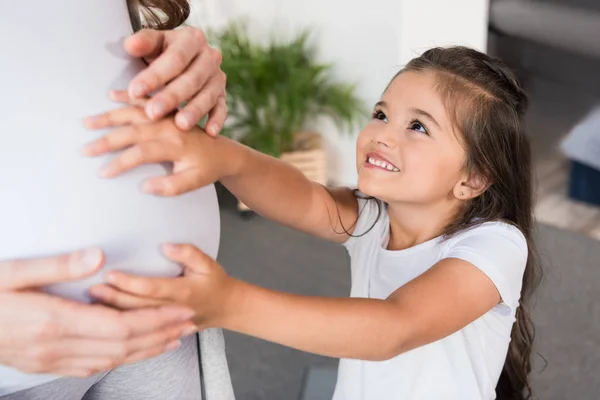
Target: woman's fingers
[[122, 96], [95, 356], [32, 273], [202, 102], [186, 86], [216, 117]]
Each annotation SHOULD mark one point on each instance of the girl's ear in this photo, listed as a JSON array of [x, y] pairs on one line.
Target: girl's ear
[[470, 187]]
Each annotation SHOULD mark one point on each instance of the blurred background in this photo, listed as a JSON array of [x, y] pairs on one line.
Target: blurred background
[[307, 73]]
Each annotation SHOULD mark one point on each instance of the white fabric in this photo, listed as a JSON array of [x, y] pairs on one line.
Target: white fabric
[[463, 366], [60, 58]]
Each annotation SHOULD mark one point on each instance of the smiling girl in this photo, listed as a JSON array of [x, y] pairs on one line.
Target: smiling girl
[[439, 232]]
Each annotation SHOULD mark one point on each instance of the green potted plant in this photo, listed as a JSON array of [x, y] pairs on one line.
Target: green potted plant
[[275, 90]]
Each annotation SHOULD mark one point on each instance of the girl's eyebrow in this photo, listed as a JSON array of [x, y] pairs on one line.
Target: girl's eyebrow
[[417, 111], [425, 114]]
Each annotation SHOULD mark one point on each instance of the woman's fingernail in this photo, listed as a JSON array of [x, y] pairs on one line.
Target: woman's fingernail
[[213, 129], [139, 90], [184, 120], [173, 345], [156, 109], [89, 260]]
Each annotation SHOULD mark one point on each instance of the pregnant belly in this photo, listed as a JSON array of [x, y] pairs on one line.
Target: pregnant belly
[[54, 202]]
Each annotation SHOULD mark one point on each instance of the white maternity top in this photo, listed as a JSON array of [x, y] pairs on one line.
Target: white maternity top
[[59, 60]]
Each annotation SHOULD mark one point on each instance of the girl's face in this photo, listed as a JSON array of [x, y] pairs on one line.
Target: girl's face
[[410, 152]]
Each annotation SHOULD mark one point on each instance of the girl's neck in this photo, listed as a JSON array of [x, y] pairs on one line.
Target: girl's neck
[[411, 225]]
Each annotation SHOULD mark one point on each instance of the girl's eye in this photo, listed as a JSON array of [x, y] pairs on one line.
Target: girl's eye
[[417, 126], [378, 114]]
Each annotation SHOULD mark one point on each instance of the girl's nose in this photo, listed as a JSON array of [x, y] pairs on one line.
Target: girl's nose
[[385, 137]]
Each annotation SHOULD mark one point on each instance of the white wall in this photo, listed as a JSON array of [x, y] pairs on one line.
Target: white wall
[[368, 41]]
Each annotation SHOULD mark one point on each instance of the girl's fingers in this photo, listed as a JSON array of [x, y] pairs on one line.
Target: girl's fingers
[[119, 139], [176, 184], [152, 288], [122, 300], [144, 153], [194, 259], [121, 116]]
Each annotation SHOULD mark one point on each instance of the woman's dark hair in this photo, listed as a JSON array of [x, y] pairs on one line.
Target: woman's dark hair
[[487, 106], [158, 14]]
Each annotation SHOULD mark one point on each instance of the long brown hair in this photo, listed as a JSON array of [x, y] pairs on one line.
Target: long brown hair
[[158, 14], [487, 105]]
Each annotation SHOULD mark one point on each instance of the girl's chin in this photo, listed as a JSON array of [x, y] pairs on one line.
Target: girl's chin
[[370, 188]]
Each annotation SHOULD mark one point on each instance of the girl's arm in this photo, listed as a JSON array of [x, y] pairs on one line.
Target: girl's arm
[[283, 194], [441, 301], [267, 185], [438, 303], [447, 297]]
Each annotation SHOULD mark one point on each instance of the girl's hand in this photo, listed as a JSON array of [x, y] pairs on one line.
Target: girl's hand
[[197, 159], [204, 287], [184, 63]]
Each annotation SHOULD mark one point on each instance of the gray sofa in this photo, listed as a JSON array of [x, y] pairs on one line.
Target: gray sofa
[[555, 39]]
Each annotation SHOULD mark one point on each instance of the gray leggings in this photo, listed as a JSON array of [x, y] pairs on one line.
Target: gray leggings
[[173, 375]]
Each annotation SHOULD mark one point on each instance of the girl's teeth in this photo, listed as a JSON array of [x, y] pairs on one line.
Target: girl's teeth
[[382, 164]]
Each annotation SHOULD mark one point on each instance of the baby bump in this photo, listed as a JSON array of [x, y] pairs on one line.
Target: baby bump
[[54, 202]]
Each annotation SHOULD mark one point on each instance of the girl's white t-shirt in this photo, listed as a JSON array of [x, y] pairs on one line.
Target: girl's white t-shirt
[[463, 366], [59, 61]]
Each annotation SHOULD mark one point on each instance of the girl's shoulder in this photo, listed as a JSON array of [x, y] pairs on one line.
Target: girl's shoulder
[[490, 231], [497, 248]]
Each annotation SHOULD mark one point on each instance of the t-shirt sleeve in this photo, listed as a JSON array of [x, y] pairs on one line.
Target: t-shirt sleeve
[[370, 213], [500, 251]]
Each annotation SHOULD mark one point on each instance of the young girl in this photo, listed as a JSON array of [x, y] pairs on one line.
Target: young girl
[[439, 233]]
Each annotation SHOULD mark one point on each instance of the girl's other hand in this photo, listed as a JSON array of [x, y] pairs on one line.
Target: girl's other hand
[[197, 159], [204, 287]]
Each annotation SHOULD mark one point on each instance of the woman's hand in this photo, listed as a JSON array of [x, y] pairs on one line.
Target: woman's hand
[[204, 287], [47, 334], [197, 159], [182, 60]]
